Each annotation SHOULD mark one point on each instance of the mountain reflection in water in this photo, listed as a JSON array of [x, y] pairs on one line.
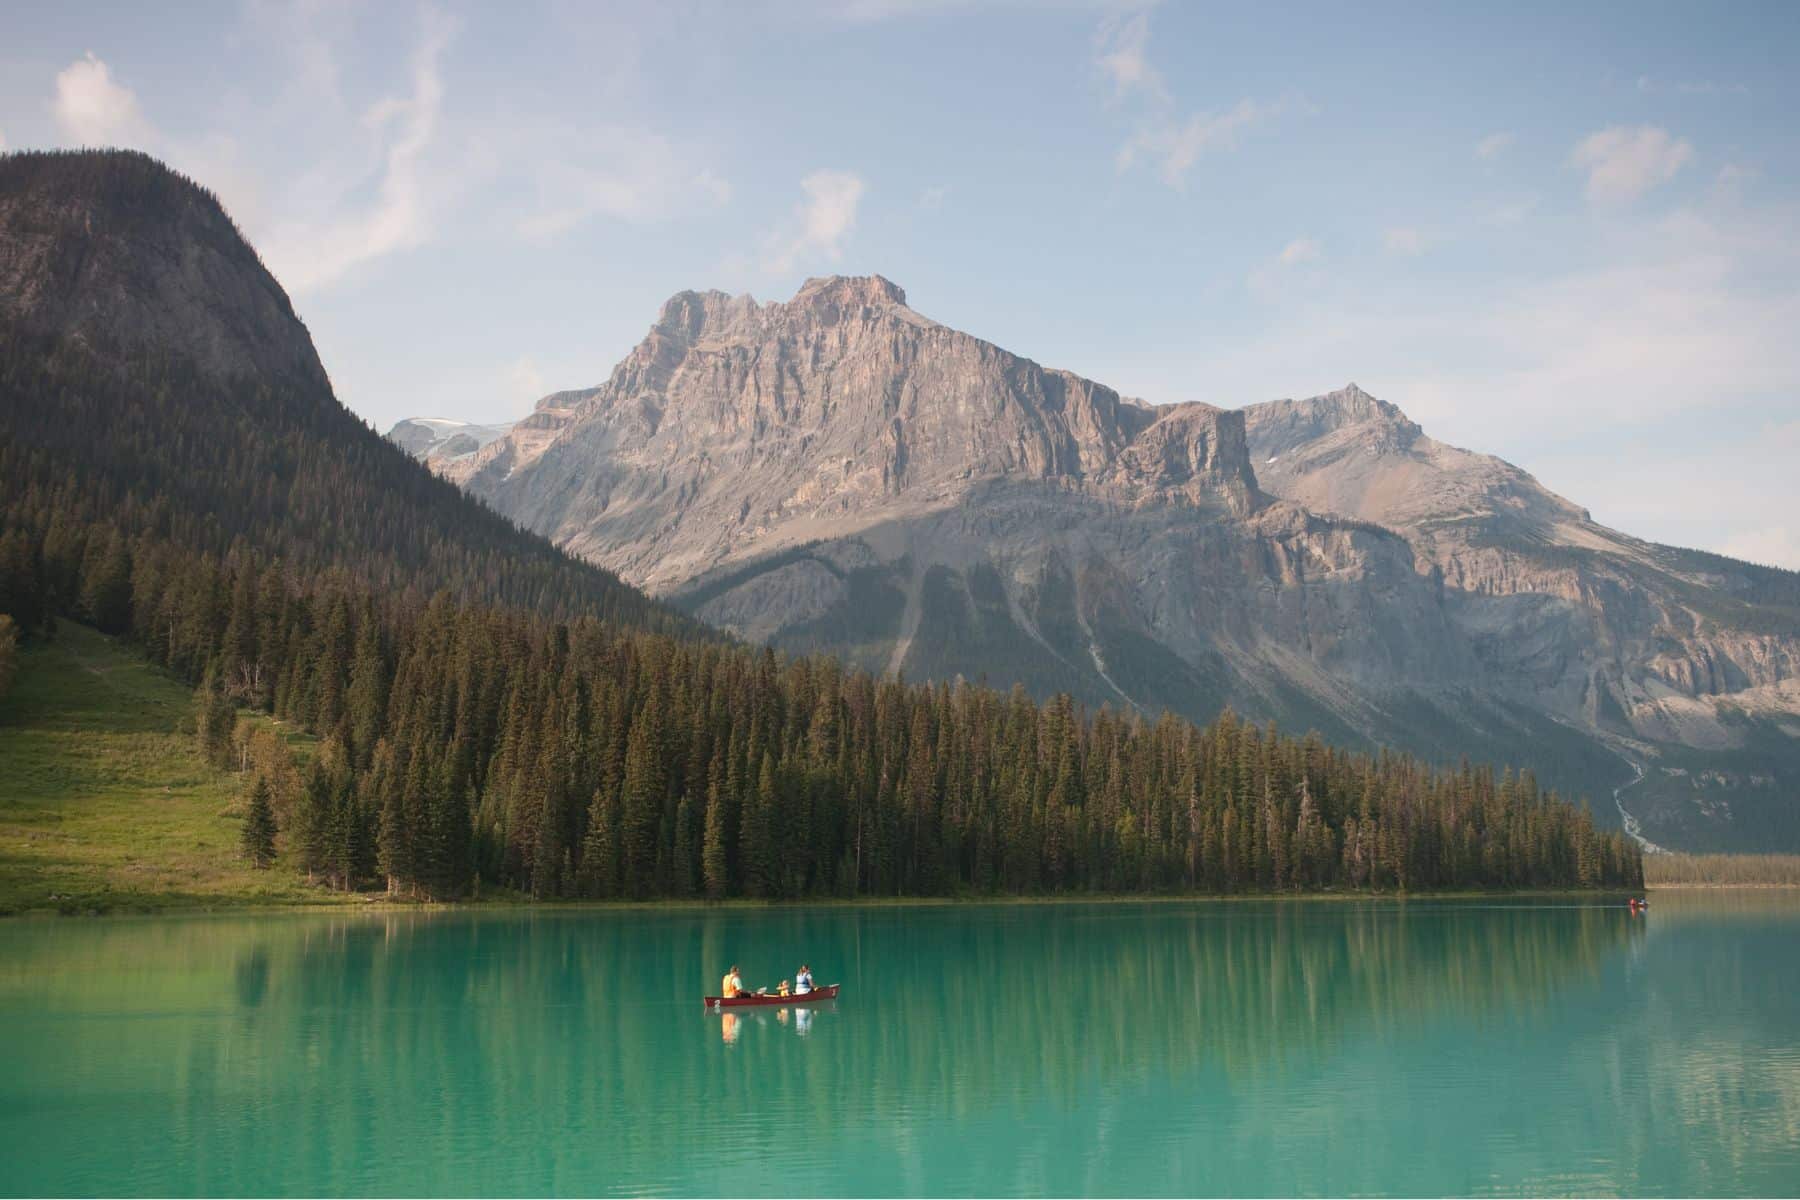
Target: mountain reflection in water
[[1011, 1048]]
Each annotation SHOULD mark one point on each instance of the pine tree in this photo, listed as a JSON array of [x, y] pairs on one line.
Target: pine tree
[[366, 700], [761, 873], [598, 876], [641, 801], [216, 722], [682, 880], [259, 827], [715, 865], [313, 821]]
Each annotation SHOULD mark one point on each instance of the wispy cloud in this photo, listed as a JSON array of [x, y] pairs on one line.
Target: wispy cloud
[[1622, 163], [619, 172], [94, 109], [820, 224], [1298, 251], [1286, 272], [307, 253], [1672, 357], [1175, 147], [1163, 138], [1494, 145], [1121, 53]]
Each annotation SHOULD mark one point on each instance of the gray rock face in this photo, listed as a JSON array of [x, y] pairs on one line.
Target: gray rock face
[[441, 441], [1686, 662], [162, 268], [839, 472]]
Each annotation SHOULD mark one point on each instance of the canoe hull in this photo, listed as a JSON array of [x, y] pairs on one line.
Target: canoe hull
[[828, 992]]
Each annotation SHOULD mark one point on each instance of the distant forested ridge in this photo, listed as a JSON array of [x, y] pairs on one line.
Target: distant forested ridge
[[92, 461], [582, 759], [1722, 870], [495, 711]]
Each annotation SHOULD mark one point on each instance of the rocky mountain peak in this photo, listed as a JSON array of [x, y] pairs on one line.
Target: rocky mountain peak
[[849, 291], [113, 250], [1350, 405]]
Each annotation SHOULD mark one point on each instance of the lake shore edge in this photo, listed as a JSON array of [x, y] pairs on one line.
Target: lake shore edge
[[376, 904]]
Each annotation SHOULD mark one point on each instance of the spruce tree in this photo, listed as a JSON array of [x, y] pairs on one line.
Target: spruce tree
[[641, 800], [259, 826], [714, 867], [761, 873]]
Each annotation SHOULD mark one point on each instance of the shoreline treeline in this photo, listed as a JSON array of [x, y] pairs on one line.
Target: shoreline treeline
[[581, 760], [1722, 870], [480, 722]]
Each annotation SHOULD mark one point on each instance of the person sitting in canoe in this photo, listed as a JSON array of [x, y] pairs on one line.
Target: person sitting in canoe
[[733, 987], [783, 989], [803, 982]]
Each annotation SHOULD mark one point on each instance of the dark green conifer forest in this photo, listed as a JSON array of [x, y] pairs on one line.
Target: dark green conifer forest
[[494, 713]]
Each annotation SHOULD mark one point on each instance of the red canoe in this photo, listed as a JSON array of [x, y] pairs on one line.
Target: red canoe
[[825, 993]]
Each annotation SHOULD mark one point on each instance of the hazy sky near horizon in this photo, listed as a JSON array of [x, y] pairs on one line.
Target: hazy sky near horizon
[[1567, 237]]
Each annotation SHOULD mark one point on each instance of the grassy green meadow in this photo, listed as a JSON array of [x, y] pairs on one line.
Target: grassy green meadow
[[106, 804]]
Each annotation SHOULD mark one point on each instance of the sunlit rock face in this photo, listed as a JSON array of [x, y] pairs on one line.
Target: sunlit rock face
[[839, 472]]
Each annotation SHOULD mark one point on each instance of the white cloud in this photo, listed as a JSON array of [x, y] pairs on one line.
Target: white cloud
[[613, 171], [1281, 278], [1298, 251], [92, 109], [1162, 137], [717, 190], [1176, 146], [1673, 358], [1493, 145], [820, 224], [1121, 47], [308, 254], [932, 198], [1623, 163], [1408, 242]]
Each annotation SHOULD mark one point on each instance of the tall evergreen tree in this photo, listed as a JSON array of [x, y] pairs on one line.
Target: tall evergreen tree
[[259, 826]]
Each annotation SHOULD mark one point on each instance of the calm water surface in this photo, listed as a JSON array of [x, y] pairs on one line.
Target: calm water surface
[[1149, 1049]]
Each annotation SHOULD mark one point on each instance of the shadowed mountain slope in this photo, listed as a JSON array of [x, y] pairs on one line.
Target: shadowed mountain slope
[[840, 472], [157, 379]]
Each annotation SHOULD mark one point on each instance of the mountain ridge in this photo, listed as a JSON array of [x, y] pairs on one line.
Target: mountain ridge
[[837, 471], [495, 715], [156, 368]]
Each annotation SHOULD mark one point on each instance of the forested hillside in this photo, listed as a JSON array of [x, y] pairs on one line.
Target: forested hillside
[[584, 760], [492, 710], [156, 382]]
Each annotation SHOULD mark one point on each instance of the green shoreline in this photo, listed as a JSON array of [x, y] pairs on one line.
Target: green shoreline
[[112, 811], [329, 902]]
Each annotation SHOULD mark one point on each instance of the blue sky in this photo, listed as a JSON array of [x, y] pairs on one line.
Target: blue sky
[[1566, 237]]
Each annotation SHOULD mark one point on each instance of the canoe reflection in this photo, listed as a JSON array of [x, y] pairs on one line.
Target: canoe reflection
[[800, 1017]]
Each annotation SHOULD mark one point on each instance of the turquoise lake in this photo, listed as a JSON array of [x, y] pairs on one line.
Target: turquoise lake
[[1063, 1049]]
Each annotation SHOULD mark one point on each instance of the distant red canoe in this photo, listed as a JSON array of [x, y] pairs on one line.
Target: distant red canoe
[[824, 993]]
